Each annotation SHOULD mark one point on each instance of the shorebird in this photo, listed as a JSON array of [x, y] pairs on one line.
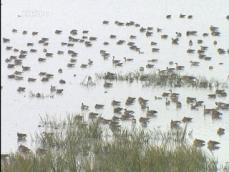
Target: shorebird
[[178, 104], [107, 84], [118, 110], [142, 100], [26, 68], [167, 102], [182, 15], [34, 33], [190, 100], [23, 149], [127, 59], [198, 143], [174, 124], [220, 131], [14, 30], [128, 112], [115, 103], [60, 52], [149, 65], [212, 96], [21, 136], [21, 89], [187, 119], [105, 22], [179, 67], [41, 59], [24, 32], [99, 106], [90, 62], [190, 16], [59, 91], [61, 81], [41, 151], [150, 113], [212, 145], [207, 111], [73, 32], [194, 63], [223, 106], [216, 114], [58, 31], [168, 16], [93, 115], [70, 65], [84, 107], [143, 120], [31, 79], [130, 100]]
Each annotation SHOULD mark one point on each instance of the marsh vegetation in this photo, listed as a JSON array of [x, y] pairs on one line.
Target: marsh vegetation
[[73, 145]]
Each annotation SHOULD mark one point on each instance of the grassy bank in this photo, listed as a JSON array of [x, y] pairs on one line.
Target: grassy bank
[[74, 146]]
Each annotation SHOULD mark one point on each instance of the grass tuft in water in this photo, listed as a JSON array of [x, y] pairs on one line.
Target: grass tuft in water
[[163, 79]]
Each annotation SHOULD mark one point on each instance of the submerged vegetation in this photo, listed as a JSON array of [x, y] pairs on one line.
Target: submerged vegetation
[[163, 78], [72, 145]]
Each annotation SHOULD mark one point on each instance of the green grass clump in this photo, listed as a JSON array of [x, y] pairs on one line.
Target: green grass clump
[[74, 146]]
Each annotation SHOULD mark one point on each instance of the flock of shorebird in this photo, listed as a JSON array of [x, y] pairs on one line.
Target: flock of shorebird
[[17, 57], [124, 114], [16, 61]]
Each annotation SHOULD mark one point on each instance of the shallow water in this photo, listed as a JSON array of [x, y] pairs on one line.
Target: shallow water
[[20, 113]]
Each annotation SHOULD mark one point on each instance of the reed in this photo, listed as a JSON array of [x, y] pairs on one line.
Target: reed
[[73, 145]]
